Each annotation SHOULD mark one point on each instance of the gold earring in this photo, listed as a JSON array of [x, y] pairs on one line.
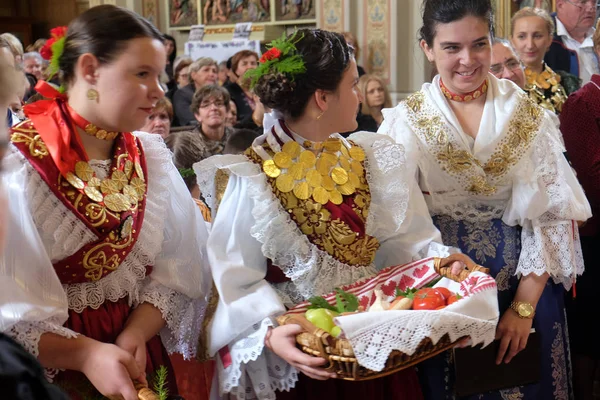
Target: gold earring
[[92, 94], [320, 115]]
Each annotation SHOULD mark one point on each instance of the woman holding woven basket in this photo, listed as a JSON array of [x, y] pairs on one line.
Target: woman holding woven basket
[[302, 212], [498, 186]]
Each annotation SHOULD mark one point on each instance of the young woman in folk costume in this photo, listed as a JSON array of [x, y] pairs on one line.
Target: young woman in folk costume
[[490, 162], [105, 245], [302, 212]]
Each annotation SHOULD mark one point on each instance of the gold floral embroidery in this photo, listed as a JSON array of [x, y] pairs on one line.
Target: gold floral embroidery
[[314, 220], [483, 238], [428, 123], [512, 394], [545, 89], [37, 147], [96, 262]]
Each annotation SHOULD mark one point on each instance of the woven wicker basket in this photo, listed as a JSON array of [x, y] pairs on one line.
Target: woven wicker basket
[[339, 353]]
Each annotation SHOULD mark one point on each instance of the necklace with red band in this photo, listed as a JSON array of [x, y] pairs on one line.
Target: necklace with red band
[[90, 128], [475, 94]]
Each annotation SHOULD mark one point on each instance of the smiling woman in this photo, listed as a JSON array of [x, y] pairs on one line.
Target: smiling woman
[[87, 279], [477, 144]]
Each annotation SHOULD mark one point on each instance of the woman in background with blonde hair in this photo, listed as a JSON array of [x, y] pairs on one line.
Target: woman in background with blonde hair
[[375, 97], [531, 35]]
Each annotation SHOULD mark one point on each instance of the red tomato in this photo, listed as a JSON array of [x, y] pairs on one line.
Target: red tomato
[[453, 299], [428, 299], [444, 292]]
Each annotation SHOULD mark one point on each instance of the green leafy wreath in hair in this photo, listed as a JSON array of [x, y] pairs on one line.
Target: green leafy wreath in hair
[[53, 50], [282, 57]]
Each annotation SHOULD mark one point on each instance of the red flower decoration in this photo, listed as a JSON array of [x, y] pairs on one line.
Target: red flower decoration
[[58, 32], [46, 51], [272, 54]]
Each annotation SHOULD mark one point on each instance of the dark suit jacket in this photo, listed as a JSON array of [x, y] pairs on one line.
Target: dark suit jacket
[[182, 100]]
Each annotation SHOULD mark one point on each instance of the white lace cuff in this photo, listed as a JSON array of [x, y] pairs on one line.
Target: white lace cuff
[[255, 372], [182, 315], [28, 335], [554, 249]]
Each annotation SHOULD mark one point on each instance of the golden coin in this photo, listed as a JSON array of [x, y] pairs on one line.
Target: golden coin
[[313, 177], [101, 134], [94, 182], [345, 151], [336, 197], [307, 158], [292, 149], [139, 171], [130, 192], [271, 170], [285, 183], [328, 183], [354, 179], [282, 160], [84, 171], [108, 186], [357, 153], [120, 179], [345, 163], [128, 168], [302, 191], [116, 202], [333, 145], [139, 186], [320, 195], [93, 194], [331, 158], [91, 129], [296, 171], [357, 168], [339, 175], [324, 166], [347, 188], [74, 181]]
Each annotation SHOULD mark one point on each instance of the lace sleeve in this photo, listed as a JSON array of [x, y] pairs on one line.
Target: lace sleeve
[[182, 315], [28, 335], [547, 200], [254, 371]]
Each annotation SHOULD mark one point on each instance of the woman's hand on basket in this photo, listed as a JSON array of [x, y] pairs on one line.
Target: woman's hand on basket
[[513, 332], [282, 341], [457, 267]]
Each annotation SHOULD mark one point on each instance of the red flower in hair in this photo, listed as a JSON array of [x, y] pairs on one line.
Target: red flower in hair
[[46, 51], [58, 32], [272, 54]]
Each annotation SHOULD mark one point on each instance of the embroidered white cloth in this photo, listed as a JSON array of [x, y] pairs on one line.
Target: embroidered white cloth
[[42, 231], [515, 170], [374, 335], [251, 227]]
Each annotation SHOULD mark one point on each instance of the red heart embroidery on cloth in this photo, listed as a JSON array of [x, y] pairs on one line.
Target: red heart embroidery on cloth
[[366, 301], [420, 272], [406, 282], [389, 289]]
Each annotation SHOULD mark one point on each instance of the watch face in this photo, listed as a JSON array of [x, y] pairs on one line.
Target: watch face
[[525, 310]]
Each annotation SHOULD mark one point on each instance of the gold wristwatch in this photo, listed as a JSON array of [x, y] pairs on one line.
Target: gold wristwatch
[[523, 309]]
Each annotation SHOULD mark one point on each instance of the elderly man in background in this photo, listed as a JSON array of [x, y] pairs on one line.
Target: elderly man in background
[[572, 48]]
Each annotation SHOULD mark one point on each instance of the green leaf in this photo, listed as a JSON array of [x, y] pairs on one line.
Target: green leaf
[[160, 383], [320, 302], [433, 282], [349, 301], [408, 293]]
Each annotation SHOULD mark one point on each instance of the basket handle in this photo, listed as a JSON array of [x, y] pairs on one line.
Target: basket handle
[[442, 267], [323, 336]]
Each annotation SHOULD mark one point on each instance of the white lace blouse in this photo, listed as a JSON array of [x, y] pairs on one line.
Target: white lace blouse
[[42, 231], [251, 226], [514, 170]]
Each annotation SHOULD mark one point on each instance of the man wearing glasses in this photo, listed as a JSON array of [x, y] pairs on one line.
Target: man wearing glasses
[[572, 49]]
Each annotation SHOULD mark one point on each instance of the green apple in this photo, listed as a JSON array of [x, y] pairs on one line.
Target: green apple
[[321, 318]]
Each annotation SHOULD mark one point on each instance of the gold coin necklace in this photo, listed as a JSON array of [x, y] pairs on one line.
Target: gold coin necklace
[[333, 173], [124, 187]]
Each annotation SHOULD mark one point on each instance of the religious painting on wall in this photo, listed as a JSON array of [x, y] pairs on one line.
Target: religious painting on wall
[[222, 12], [182, 13], [288, 10], [150, 11]]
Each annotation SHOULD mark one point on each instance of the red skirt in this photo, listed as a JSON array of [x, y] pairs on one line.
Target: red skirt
[[403, 385], [104, 325]]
